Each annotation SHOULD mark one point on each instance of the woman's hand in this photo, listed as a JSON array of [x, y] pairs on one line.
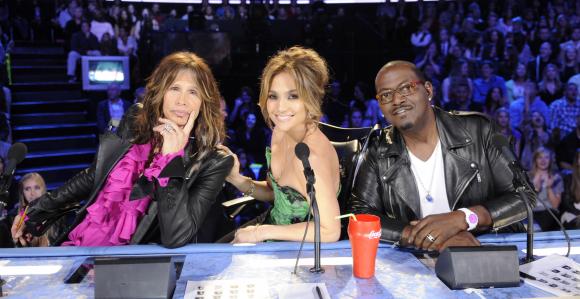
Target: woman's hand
[[552, 181], [234, 176], [18, 234], [16, 231], [248, 234], [174, 138], [539, 180], [24, 240]]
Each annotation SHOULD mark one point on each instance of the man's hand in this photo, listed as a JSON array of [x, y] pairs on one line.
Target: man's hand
[[405, 235], [174, 137], [439, 226], [461, 239]]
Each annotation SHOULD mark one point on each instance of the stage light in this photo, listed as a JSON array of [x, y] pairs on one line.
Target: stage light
[[284, 2], [352, 2]]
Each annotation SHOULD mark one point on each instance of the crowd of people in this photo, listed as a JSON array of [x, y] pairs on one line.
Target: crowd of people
[[518, 62]]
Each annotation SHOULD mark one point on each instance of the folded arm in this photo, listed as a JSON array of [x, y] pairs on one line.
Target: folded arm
[[183, 205]]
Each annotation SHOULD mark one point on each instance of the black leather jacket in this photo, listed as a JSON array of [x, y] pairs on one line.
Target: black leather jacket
[[177, 211], [475, 174]]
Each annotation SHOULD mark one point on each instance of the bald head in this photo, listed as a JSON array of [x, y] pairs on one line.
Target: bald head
[[397, 64], [404, 97]]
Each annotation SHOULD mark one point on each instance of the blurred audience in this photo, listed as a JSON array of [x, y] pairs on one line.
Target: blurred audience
[[570, 206], [564, 112], [82, 43], [534, 135], [485, 82], [520, 107], [566, 150], [549, 187], [111, 110]]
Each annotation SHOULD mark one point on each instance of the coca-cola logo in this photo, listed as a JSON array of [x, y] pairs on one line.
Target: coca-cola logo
[[374, 234]]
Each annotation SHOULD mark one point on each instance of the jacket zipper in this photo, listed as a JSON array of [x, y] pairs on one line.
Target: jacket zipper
[[392, 214], [473, 176], [389, 190]]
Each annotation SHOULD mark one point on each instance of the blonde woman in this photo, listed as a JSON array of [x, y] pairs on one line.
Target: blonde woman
[[549, 187], [291, 93], [30, 188]]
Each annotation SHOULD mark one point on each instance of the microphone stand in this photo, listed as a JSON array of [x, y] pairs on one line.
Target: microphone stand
[[521, 184], [310, 180]]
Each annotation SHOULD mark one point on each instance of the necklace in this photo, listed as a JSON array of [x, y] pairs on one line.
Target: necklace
[[428, 197]]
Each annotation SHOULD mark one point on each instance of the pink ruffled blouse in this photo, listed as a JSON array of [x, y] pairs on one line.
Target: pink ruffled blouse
[[112, 219]]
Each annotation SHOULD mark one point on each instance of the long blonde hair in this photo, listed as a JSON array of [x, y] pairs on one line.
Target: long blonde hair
[[310, 72], [542, 150], [29, 176], [209, 126]]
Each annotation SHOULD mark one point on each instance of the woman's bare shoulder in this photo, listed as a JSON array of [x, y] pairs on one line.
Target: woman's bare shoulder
[[321, 149]]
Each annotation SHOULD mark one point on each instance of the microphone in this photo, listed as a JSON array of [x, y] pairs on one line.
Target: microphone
[[520, 176], [303, 152], [16, 154], [501, 142], [521, 183]]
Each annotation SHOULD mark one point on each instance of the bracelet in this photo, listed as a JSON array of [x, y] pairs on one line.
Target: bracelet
[[251, 190]]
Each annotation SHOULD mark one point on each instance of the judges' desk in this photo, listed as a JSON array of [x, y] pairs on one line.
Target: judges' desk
[[399, 274]]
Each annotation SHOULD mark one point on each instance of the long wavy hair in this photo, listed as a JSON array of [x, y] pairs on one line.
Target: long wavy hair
[[542, 150], [209, 126], [542, 86], [310, 73]]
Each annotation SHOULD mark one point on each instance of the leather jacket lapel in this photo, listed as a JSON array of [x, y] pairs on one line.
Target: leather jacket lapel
[[399, 175], [403, 184], [459, 171], [457, 175]]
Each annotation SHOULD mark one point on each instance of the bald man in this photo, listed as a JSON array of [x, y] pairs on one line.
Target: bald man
[[433, 177]]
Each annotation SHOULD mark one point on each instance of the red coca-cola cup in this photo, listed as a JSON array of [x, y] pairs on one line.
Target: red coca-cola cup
[[364, 234]]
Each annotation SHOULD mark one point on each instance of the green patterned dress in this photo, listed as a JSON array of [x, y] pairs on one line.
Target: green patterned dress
[[289, 205]]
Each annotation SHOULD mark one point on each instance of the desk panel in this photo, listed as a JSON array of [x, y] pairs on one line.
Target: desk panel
[[399, 274]]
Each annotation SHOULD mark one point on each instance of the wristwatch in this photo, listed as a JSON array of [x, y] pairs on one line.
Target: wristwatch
[[471, 218]]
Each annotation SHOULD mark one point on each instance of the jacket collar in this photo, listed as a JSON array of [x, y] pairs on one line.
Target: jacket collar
[[457, 168], [450, 135]]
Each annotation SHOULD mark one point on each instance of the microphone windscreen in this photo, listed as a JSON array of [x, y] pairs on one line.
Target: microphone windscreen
[[17, 152], [502, 143], [499, 141], [302, 151]]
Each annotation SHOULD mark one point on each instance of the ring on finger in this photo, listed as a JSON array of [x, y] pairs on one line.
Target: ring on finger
[[430, 238]]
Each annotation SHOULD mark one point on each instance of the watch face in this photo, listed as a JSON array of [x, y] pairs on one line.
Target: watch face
[[472, 218]]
